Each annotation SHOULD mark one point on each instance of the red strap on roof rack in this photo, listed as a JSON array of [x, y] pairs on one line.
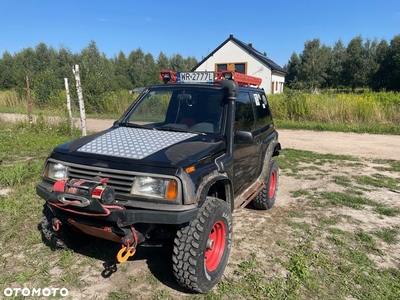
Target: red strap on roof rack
[[241, 79]]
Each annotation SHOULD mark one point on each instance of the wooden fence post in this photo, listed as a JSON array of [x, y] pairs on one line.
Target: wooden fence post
[[80, 98], [28, 91], [68, 103]]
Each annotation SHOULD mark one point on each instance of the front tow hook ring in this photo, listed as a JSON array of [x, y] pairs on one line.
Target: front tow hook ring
[[125, 253]]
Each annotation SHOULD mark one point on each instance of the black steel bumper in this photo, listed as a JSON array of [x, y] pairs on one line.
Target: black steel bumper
[[123, 216]]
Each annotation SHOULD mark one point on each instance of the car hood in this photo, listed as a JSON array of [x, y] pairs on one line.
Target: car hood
[[143, 146]]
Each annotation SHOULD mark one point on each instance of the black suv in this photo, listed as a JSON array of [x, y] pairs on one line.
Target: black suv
[[180, 160]]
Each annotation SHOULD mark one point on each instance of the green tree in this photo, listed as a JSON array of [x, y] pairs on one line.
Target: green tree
[[24, 65], [150, 69], [371, 65], [336, 61], [178, 63], [380, 80], [191, 62], [162, 62], [7, 78], [292, 67], [354, 66], [394, 63], [136, 70], [314, 64], [96, 73], [122, 71]]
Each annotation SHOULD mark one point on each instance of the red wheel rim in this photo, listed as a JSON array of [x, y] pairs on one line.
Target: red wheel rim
[[215, 246], [272, 185]]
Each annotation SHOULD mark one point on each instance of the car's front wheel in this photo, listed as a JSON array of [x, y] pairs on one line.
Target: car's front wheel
[[62, 237], [201, 249]]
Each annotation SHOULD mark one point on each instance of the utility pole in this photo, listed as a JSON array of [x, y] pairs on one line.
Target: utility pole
[[80, 98]]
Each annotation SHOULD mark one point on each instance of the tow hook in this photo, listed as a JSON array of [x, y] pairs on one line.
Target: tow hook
[[127, 250], [56, 224]]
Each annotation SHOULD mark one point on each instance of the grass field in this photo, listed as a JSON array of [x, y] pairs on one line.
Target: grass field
[[333, 234]]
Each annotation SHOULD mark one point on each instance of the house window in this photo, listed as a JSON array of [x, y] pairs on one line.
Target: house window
[[233, 66], [240, 68], [221, 67], [276, 86]]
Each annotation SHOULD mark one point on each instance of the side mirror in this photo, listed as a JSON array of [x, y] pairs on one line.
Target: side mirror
[[245, 137]]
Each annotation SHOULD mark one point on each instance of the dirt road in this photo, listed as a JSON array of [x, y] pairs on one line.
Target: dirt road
[[361, 145]]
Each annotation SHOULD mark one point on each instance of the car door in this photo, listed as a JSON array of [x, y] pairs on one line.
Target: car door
[[265, 131], [246, 151]]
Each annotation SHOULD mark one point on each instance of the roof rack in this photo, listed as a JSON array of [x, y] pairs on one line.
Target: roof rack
[[241, 79], [209, 77]]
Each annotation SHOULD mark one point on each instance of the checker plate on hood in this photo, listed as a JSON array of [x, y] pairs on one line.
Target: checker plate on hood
[[134, 143]]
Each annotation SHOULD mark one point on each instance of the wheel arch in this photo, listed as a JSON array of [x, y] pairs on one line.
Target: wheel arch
[[218, 186], [273, 150]]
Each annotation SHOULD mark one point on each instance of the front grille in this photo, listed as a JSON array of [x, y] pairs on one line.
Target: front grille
[[120, 181]]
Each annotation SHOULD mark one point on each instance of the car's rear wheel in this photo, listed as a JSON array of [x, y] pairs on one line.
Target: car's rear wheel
[[201, 249], [266, 198]]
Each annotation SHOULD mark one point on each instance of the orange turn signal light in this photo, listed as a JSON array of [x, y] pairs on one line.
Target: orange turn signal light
[[190, 169], [172, 190]]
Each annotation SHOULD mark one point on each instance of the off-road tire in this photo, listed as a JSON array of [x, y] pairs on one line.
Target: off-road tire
[[266, 198], [196, 266], [64, 238]]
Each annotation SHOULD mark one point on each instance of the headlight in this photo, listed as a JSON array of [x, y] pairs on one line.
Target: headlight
[[55, 171], [155, 187]]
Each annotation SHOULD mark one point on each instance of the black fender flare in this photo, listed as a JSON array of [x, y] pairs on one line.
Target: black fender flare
[[209, 181], [272, 150]]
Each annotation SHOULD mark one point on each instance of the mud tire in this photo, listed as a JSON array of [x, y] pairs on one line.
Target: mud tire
[[266, 198], [201, 249], [64, 238]]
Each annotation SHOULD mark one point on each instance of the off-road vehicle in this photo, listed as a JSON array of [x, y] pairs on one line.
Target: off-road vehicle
[[180, 160]]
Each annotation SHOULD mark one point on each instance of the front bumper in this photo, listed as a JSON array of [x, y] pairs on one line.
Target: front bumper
[[123, 216]]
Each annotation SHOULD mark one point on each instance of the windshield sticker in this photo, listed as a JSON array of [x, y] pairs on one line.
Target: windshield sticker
[[133, 143], [257, 99]]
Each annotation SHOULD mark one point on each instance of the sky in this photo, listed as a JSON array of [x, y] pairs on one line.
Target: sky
[[192, 28]]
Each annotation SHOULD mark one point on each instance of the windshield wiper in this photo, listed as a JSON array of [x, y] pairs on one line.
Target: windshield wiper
[[171, 128], [133, 125]]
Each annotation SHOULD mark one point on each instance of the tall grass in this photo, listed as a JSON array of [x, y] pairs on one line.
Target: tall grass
[[10, 98], [368, 108], [114, 103]]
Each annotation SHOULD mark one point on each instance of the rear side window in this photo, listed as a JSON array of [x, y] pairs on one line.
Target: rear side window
[[244, 117], [263, 113]]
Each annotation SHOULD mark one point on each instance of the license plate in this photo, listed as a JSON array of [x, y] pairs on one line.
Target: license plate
[[194, 77]]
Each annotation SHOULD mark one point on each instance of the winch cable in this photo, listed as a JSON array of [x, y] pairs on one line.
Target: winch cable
[[105, 207]]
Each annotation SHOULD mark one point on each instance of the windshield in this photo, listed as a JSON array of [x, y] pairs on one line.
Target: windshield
[[182, 108]]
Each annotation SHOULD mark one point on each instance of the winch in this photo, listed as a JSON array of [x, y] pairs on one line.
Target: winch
[[96, 188]]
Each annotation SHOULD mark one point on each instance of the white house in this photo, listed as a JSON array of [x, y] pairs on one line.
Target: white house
[[233, 54]]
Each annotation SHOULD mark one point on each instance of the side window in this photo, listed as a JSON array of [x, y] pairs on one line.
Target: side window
[[244, 116], [263, 114]]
